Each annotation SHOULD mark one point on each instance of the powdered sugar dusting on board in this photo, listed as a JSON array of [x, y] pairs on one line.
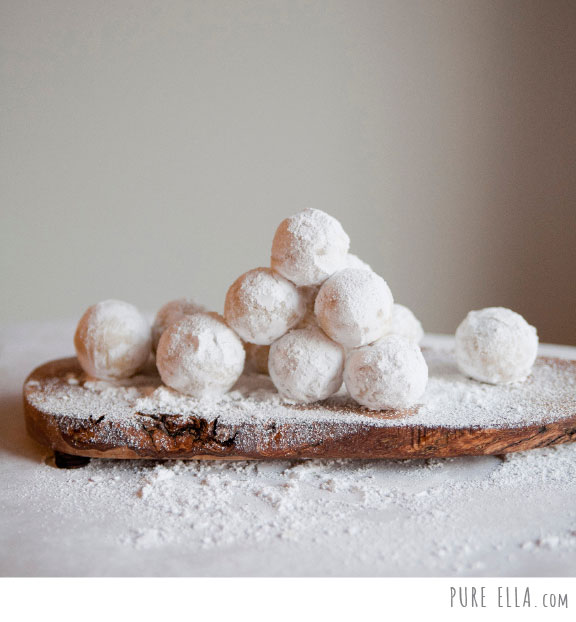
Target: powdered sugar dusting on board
[[450, 400]]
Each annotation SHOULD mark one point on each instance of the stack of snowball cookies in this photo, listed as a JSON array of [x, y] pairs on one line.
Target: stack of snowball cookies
[[317, 317]]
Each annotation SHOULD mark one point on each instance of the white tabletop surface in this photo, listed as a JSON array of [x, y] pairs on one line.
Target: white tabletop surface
[[466, 516]]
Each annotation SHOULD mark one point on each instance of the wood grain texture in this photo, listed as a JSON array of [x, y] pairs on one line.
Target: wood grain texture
[[171, 436]]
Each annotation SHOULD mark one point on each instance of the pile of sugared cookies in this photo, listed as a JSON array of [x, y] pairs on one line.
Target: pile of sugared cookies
[[319, 316]]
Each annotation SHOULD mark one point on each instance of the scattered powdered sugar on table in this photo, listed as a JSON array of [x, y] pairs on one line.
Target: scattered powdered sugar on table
[[450, 400], [389, 517]]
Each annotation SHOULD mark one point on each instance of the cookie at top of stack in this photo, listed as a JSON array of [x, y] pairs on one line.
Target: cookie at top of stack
[[309, 247]]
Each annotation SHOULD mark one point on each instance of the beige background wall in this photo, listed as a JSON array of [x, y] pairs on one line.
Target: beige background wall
[[150, 148]]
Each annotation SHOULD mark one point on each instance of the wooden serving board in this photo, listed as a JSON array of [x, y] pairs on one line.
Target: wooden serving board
[[331, 429]]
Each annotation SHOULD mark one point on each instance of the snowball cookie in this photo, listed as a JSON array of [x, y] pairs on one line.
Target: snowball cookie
[[403, 322], [172, 312], [200, 356], [386, 375], [306, 366], [112, 340], [308, 247], [256, 358], [354, 307], [261, 306], [353, 261], [496, 345]]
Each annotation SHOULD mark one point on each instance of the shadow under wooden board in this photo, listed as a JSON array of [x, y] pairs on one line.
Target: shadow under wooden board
[[81, 418]]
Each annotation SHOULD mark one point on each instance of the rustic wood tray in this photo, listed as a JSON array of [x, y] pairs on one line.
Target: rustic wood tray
[[199, 435]]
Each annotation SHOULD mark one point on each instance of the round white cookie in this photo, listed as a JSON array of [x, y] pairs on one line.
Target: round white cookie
[[389, 374], [261, 305], [200, 356], [172, 312], [305, 365], [112, 340], [404, 323], [353, 261], [496, 345], [309, 247], [354, 306]]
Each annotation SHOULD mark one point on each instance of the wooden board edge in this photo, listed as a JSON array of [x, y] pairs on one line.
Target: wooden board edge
[[161, 439]]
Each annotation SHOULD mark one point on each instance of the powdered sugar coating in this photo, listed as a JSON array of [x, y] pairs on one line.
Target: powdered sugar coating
[[354, 307], [261, 305], [112, 340], [496, 345], [404, 323], [200, 356], [387, 375], [172, 312], [309, 247], [306, 366], [353, 261]]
